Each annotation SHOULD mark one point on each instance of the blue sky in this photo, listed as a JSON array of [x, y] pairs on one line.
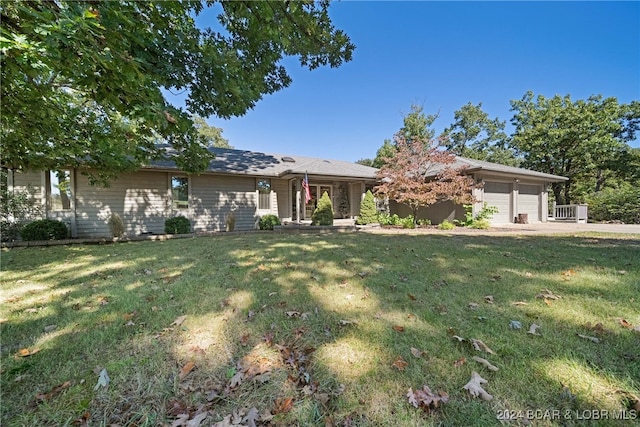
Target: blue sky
[[442, 55]]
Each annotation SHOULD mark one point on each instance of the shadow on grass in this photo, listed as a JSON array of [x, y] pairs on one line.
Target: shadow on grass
[[113, 307]]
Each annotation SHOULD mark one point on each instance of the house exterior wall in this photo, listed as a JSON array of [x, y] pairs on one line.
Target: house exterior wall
[[280, 191], [435, 213], [140, 198], [214, 197], [30, 181]]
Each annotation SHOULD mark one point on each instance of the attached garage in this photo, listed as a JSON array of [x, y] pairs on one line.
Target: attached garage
[[529, 201], [498, 194]]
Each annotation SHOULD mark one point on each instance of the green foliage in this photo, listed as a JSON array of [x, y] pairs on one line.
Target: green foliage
[[619, 204], [476, 136], [582, 140], [44, 229], [368, 212], [446, 225], [16, 208], [481, 220], [386, 219], [323, 214], [92, 74], [408, 222], [267, 222], [211, 135], [424, 221], [384, 154], [365, 162], [230, 221], [177, 225], [116, 225]]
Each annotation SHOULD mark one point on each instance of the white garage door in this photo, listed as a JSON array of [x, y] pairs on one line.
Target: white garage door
[[498, 194], [529, 201]]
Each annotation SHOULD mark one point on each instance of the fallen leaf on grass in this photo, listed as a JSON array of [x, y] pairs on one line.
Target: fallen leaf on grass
[[348, 322], [179, 321], [400, 363], [411, 297], [488, 299], [459, 362], [103, 380], [184, 421], [417, 353], [292, 313], [519, 303], [398, 328], [25, 352], [625, 324], [586, 337], [129, 316], [474, 387], [50, 328], [533, 329], [427, 400], [472, 305], [186, 369], [485, 363], [41, 397], [598, 328], [480, 346], [547, 294], [514, 324], [282, 405]]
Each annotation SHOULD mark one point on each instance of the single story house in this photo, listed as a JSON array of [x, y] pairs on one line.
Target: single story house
[[514, 191], [247, 184], [251, 184]]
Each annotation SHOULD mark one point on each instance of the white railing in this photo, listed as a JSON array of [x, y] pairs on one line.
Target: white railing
[[575, 213]]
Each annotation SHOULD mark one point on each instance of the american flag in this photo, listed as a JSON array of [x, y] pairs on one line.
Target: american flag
[[305, 187]]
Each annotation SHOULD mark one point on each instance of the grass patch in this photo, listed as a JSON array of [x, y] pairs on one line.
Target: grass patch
[[308, 327]]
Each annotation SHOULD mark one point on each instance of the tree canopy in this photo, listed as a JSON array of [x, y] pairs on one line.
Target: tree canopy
[[81, 80], [584, 140], [421, 174], [211, 134], [474, 135]]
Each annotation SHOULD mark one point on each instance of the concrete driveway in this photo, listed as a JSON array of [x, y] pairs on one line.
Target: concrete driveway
[[553, 227]]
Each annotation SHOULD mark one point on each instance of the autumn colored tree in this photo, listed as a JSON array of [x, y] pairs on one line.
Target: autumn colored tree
[[421, 174]]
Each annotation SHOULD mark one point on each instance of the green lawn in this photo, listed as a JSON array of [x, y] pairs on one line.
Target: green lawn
[[319, 330]]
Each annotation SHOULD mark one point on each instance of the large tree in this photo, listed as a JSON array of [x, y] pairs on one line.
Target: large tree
[[584, 140], [422, 174], [81, 80], [211, 134], [416, 126], [474, 135]]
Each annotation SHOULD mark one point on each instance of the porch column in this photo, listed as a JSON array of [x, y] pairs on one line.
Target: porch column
[[297, 203]]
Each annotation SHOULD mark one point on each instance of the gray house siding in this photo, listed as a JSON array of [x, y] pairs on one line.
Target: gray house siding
[[280, 190], [32, 182], [140, 198], [215, 197], [435, 213]]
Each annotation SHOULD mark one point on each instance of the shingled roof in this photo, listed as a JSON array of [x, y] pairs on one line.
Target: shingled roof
[[480, 165], [252, 163]]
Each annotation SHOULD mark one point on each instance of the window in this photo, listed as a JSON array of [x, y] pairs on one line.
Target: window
[[264, 194], [60, 190], [180, 192]]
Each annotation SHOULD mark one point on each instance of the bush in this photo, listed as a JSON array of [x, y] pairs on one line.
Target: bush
[[368, 213], [267, 222], [386, 219], [481, 224], [481, 220], [408, 222], [424, 221], [116, 225], [620, 204], [446, 225], [323, 214], [9, 231], [177, 225], [44, 229], [230, 222]]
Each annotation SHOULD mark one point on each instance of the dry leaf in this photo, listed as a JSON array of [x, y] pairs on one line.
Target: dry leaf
[[597, 328], [424, 398], [548, 302], [586, 337], [473, 305], [186, 369], [57, 389], [488, 299], [547, 294], [459, 362], [519, 303], [292, 313], [129, 316], [348, 322], [474, 386], [626, 324], [197, 419], [25, 352], [486, 363], [178, 321], [411, 297], [400, 363], [417, 353], [282, 406], [480, 346], [533, 329], [398, 328]]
